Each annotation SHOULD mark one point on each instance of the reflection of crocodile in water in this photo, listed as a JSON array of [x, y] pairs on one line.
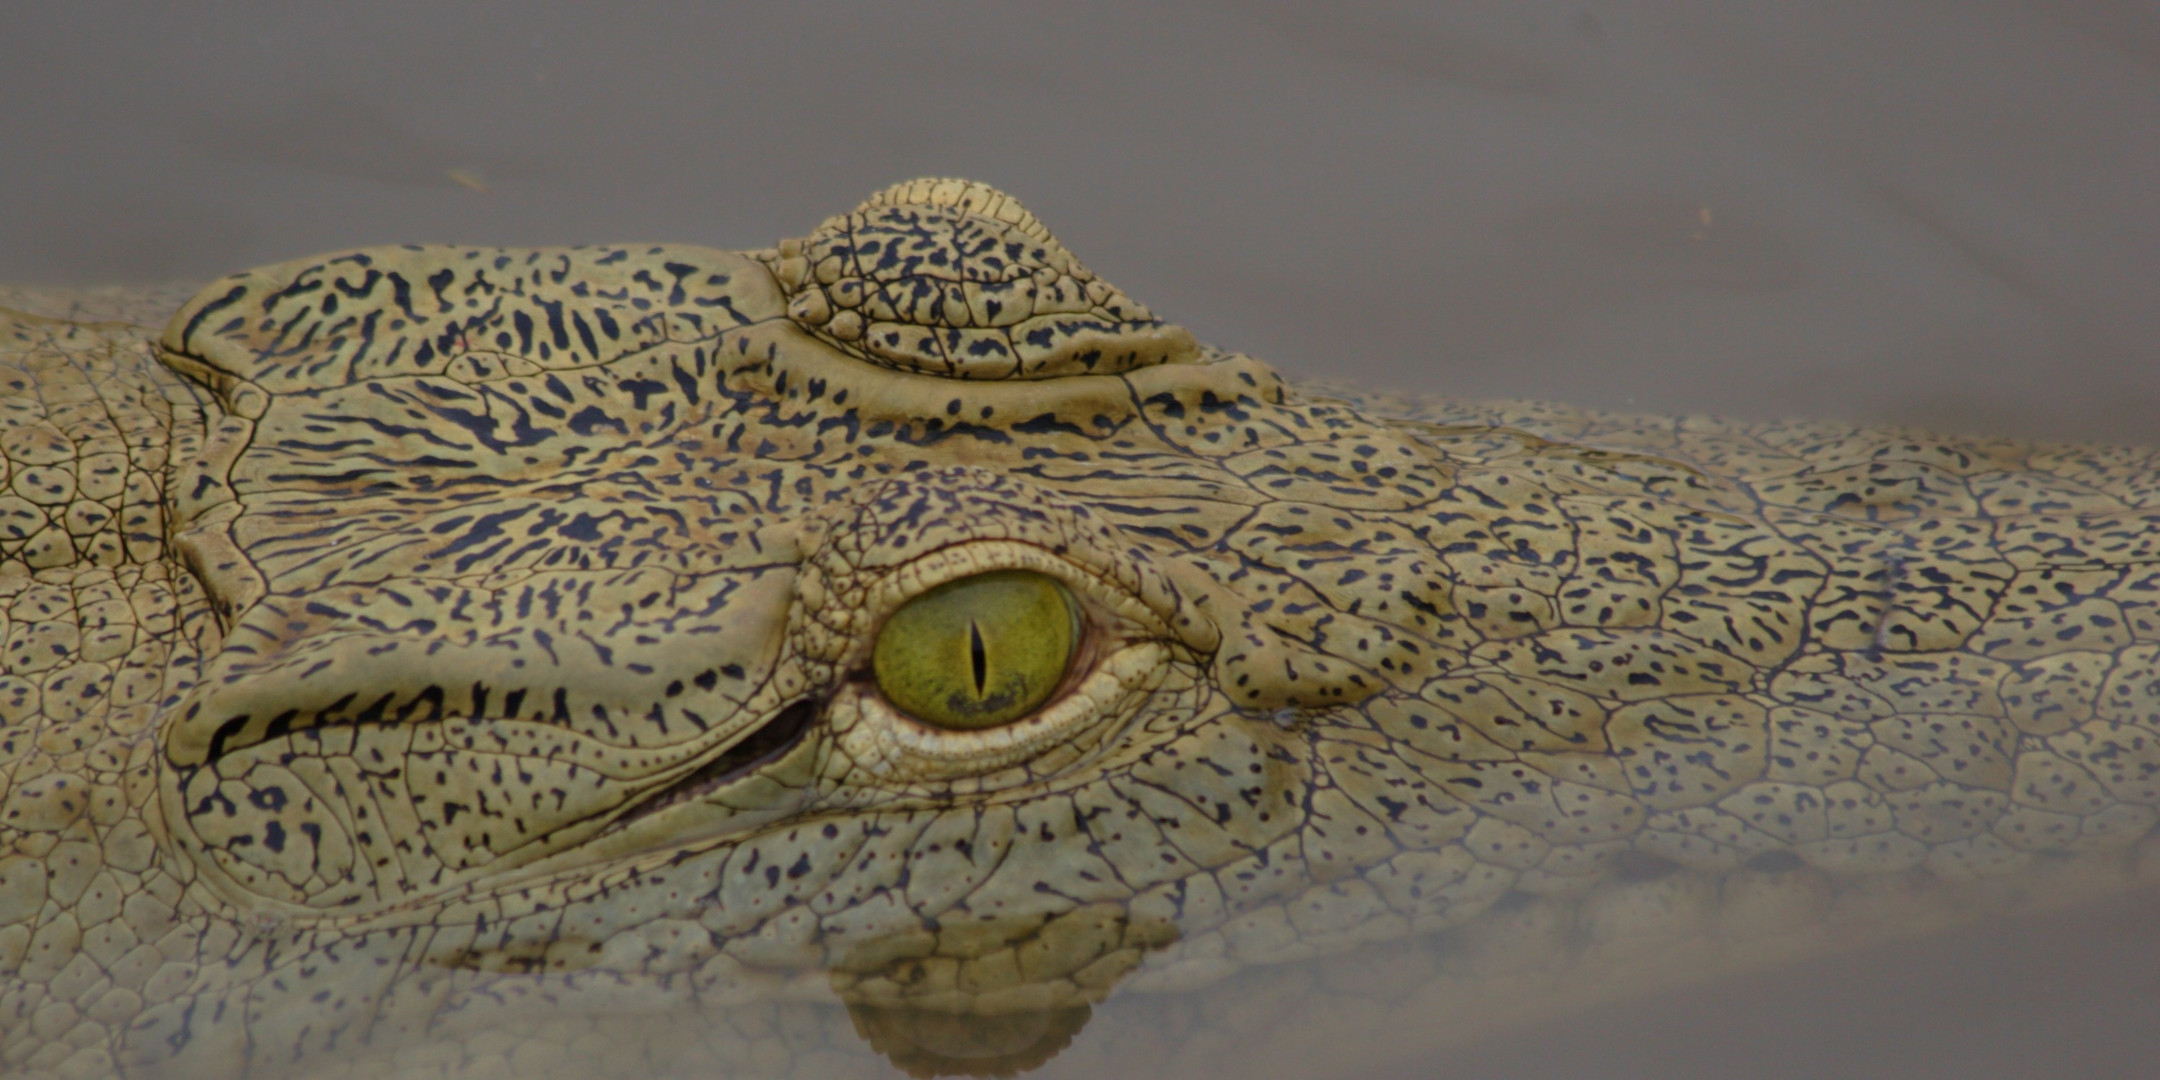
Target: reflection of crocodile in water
[[416, 635]]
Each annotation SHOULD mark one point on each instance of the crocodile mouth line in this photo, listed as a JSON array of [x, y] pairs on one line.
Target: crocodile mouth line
[[763, 746]]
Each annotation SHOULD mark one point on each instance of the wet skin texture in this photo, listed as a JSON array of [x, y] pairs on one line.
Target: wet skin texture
[[409, 636]]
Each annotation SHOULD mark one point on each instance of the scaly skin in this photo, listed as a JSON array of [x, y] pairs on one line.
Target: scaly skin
[[429, 659]]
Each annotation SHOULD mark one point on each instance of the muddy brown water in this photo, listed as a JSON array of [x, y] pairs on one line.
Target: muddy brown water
[[1935, 213]]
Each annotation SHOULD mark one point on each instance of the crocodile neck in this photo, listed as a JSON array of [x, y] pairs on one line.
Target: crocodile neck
[[97, 619]]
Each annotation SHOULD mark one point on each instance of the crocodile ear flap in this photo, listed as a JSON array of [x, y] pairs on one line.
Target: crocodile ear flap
[[957, 279], [349, 752], [457, 313]]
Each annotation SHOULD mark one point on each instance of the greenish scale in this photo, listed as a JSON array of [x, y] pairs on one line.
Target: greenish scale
[[978, 652]]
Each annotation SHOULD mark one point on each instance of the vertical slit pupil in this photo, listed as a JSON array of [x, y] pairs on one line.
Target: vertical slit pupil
[[975, 653]]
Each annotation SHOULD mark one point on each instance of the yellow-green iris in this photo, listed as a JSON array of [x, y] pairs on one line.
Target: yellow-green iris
[[978, 652]]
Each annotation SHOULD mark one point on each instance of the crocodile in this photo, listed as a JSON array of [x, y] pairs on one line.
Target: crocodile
[[453, 660]]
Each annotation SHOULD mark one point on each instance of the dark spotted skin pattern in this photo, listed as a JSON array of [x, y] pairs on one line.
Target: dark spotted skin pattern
[[415, 646]]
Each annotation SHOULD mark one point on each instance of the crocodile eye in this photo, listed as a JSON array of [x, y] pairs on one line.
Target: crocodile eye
[[978, 652]]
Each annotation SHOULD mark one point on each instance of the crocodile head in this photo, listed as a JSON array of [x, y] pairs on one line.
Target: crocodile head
[[553, 587], [906, 614]]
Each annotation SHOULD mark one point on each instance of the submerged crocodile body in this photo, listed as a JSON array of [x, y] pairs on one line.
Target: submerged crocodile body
[[416, 643]]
